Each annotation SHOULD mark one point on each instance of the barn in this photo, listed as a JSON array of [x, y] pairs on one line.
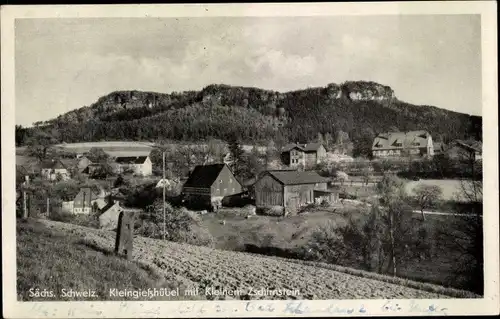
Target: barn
[[207, 185], [291, 190]]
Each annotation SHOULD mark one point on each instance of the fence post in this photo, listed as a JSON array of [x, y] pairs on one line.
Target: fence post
[[125, 234]]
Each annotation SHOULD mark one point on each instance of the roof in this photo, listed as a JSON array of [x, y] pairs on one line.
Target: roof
[[475, 146], [53, 164], [288, 177], [130, 159], [400, 140], [204, 175], [309, 147], [21, 169]]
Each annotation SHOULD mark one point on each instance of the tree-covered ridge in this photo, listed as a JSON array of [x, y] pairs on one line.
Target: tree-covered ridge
[[361, 109]]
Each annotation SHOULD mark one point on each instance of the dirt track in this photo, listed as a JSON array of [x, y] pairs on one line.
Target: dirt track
[[201, 267]]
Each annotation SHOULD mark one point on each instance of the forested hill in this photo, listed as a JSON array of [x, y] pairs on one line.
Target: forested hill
[[361, 109]]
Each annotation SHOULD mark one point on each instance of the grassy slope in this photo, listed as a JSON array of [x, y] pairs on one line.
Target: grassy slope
[[48, 259]]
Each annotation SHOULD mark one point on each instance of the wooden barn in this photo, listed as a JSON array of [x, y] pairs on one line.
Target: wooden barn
[[207, 185], [291, 190]]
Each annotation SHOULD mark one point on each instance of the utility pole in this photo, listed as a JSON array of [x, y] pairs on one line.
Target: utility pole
[[48, 203], [164, 226]]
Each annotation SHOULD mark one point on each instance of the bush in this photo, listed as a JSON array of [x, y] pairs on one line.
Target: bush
[[325, 203], [198, 236], [271, 211], [181, 225], [345, 195], [326, 245], [61, 217]]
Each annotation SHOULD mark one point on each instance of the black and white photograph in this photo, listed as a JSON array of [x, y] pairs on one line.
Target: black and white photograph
[[250, 160]]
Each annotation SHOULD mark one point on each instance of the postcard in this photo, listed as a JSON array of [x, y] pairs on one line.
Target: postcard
[[250, 160]]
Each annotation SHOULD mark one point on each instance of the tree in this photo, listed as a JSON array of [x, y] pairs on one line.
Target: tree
[[236, 150], [320, 139], [392, 195], [342, 177], [363, 144], [427, 196], [120, 181], [215, 149], [177, 221], [97, 155], [20, 135], [465, 235], [41, 144], [366, 173]]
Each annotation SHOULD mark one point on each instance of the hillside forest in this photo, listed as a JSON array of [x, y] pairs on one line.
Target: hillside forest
[[359, 110]]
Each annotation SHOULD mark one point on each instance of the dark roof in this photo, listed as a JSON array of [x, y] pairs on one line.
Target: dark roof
[[54, 164], [21, 169], [204, 175], [400, 140], [469, 145], [130, 159], [309, 147], [287, 177]]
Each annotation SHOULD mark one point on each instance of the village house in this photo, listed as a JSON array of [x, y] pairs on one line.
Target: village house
[[108, 218], [87, 201], [53, 169], [138, 165], [398, 144], [460, 149], [83, 163], [305, 155], [207, 185], [290, 190]]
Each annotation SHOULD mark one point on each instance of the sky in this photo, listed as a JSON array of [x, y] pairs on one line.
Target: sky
[[65, 63]]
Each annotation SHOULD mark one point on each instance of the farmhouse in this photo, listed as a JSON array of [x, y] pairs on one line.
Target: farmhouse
[[84, 201], [289, 190], [83, 163], [138, 165], [207, 185], [108, 219], [403, 144], [465, 150], [51, 170], [307, 155]]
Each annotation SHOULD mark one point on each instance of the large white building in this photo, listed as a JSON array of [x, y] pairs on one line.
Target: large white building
[[418, 143], [138, 165]]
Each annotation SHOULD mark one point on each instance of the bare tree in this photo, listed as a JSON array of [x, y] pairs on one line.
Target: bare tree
[[426, 196], [392, 195]]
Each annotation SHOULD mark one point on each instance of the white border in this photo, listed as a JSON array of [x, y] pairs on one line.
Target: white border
[[488, 305]]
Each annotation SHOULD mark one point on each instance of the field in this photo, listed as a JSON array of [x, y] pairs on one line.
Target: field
[[281, 236], [246, 274]]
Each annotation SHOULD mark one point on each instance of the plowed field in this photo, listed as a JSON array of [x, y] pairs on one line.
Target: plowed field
[[206, 268]]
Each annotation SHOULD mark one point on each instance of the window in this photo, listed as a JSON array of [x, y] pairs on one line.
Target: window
[[221, 181], [225, 191], [230, 180]]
